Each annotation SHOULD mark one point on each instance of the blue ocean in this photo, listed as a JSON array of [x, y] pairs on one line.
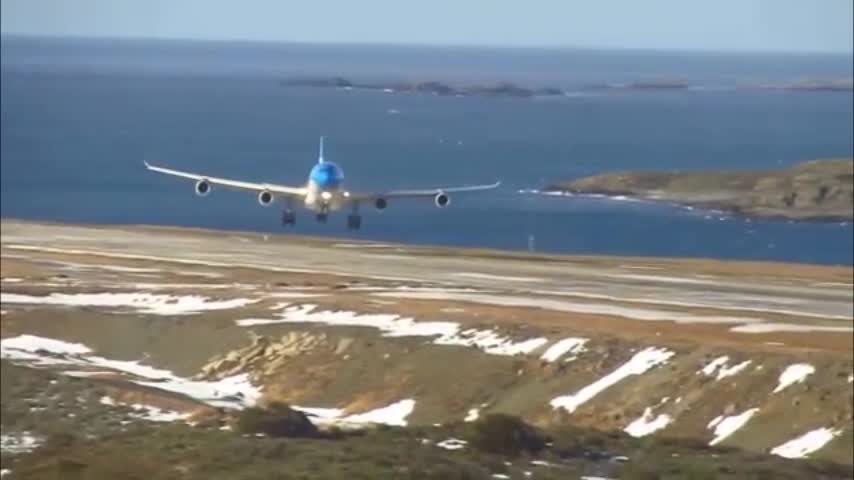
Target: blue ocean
[[80, 116]]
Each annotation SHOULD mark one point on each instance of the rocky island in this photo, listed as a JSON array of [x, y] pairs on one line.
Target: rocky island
[[502, 89], [512, 90], [819, 190]]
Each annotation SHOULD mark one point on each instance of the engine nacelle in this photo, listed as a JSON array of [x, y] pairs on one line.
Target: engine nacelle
[[265, 198], [380, 203], [442, 200], [203, 188]]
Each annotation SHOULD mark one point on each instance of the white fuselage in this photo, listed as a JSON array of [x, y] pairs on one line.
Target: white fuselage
[[324, 199], [323, 189]]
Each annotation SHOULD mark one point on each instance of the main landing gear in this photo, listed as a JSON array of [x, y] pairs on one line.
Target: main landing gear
[[289, 218], [354, 220]]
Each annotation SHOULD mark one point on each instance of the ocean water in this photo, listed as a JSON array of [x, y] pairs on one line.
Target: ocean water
[[79, 117]]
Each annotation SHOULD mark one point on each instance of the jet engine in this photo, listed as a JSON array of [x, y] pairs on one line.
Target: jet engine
[[203, 188], [380, 203], [442, 200], [265, 198]]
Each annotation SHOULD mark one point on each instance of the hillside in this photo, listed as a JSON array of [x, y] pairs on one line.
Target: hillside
[[815, 190], [157, 341]]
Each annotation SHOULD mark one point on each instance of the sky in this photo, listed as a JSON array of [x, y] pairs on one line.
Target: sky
[[717, 25]]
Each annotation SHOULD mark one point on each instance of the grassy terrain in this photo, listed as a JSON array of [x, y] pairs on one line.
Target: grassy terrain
[[95, 443]]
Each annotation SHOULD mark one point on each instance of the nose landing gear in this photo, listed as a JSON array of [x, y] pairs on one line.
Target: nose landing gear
[[323, 214]]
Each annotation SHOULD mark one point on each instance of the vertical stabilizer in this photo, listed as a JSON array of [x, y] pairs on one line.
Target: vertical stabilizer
[[320, 156]]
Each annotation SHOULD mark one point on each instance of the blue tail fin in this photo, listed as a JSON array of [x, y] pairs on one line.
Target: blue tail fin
[[320, 156]]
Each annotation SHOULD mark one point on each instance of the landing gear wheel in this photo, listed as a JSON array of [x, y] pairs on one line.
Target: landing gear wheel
[[354, 222], [289, 218], [321, 217]]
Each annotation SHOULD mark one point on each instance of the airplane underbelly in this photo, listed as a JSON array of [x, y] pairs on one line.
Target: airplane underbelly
[[317, 198]]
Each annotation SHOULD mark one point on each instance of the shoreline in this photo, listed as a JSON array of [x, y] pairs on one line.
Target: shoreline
[[815, 191], [711, 208]]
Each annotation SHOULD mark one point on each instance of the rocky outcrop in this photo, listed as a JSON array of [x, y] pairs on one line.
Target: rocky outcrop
[[815, 190], [264, 355]]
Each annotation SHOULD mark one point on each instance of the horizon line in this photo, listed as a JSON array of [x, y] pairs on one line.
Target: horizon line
[[425, 45]]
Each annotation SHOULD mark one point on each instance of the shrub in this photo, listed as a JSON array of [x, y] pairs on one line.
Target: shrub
[[276, 420], [505, 435]]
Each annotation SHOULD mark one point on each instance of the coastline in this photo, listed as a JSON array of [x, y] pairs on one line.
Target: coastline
[[816, 191], [712, 209]]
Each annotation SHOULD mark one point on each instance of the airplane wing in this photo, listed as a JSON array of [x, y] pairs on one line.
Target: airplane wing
[[427, 192], [283, 190]]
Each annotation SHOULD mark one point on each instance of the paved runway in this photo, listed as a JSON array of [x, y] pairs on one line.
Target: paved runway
[[823, 295]]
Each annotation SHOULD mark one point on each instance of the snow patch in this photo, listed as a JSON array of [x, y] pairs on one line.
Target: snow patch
[[472, 415], [728, 372], [33, 344], [142, 302], [392, 325], [712, 366], [320, 414], [19, 443], [796, 373], [806, 444], [719, 370], [147, 412], [726, 426], [647, 424], [236, 391], [574, 346], [394, 414], [452, 444], [154, 414], [231, 392], [637, 365]]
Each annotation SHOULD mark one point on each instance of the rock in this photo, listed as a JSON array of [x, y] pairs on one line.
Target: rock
[[275, 420], [263, 354], [343, 345]]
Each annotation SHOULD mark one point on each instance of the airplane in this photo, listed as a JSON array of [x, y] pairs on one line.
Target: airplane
[[323, 193]]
